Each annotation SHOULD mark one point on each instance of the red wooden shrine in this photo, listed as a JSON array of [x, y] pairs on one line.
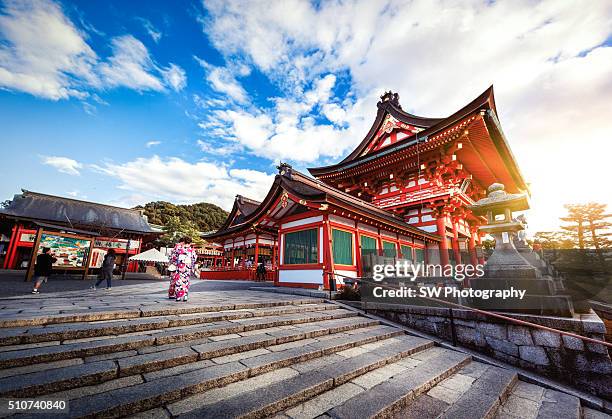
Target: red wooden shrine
[[407, 186]]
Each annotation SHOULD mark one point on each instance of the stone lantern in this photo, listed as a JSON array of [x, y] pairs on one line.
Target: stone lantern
[[498, 207], [507, 268]]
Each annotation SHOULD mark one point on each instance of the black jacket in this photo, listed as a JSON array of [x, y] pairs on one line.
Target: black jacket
[[109, 263], [44, 264]]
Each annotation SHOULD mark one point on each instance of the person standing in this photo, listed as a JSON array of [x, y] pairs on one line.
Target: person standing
[[183, 261], [43, 267], [108, 266], [261, 273]]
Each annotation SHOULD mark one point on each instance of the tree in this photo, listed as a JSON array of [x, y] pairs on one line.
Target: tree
[[205, 216], [590, 226], [598, 225], [577, 216], [175, 229]]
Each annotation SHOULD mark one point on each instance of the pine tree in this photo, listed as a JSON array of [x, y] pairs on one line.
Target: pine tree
[[598, 225], [577, 216], [590, 227]]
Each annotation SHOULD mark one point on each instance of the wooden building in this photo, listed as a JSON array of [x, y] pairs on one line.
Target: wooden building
[[404, 190], [107, 226]]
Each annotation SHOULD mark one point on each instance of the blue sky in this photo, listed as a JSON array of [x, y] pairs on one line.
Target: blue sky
[[128, 102]]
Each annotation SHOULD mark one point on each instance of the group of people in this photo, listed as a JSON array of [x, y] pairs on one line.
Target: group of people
[[46, 259], [182, 265]]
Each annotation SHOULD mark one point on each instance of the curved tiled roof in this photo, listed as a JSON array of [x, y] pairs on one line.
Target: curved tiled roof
[[315, 191], [73, 212], [431, 126]]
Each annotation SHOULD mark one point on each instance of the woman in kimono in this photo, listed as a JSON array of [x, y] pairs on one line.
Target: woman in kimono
[[183, 260]]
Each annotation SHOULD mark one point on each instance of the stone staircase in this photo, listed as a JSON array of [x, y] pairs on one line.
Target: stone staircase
[[297, 358]]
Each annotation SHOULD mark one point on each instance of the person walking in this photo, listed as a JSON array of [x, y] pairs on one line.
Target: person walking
[[106, 272], [182, 265], [43, 268], [261, 273]]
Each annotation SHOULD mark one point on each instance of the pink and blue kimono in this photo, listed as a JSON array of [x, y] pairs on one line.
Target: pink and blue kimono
[[184, 258]]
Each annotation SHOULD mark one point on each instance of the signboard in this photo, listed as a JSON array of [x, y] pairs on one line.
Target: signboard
[[70, 252], [97, 257], [120, 244], [27, 237]]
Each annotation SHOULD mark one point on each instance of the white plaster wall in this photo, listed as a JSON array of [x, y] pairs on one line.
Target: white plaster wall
[[303, 221], [304, 276], [342, 220], [367, 228], [388, 234]]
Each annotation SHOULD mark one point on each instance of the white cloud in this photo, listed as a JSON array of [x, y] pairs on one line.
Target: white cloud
[[218, 149], [76, 194], [44, 54], [153, 32], [180, 181], [222, 80], [547, 60], [175, 77], [130, 66], [289, 131], [150, 144], [63, 164]]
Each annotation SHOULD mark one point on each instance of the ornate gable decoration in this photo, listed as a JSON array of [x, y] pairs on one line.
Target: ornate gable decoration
[[390, 132]]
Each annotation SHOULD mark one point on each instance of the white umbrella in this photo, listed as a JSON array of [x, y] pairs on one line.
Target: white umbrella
[[151, 255]]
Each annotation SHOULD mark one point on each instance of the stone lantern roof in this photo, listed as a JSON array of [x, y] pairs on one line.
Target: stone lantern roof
[[498, 200]]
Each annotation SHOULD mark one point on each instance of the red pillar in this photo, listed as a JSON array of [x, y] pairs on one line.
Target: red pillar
[[328, 264], [440, 224], [256, 255], [256, 250], [358, 253], [455, 242], [10, 252], [472, 246]]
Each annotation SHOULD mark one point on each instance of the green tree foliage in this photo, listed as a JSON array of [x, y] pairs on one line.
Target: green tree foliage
[[204, 216], [175, 229]]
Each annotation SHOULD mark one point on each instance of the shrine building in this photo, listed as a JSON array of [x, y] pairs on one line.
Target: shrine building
[[403, 192]]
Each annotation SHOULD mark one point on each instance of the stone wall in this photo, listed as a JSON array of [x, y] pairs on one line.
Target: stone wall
[[586, 366]]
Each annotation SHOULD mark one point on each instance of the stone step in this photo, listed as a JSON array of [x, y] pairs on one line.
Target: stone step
[[280, 395], [15, 336], [282, 334], [43, 382], [162, 309], [530, 401], [124, 343], [155, 361], [475, 391], [390, 396], [124, 401]]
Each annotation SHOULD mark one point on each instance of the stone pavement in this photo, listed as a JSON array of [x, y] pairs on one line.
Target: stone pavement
[[12, 283], [130, 352]]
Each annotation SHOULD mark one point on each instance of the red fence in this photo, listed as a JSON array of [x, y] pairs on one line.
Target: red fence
[[237, 274]]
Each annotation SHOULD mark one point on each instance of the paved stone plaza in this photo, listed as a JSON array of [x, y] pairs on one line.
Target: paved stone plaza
[[235, 352]]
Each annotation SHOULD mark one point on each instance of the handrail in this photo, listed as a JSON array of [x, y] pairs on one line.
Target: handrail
[[499, 316]]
